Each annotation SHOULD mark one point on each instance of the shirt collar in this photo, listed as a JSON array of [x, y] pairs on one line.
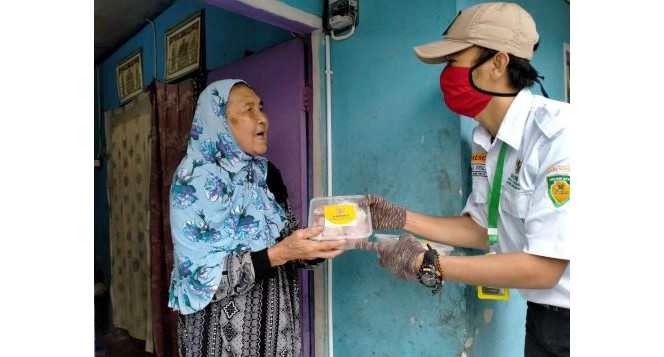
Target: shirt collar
[[482, 137], [511, 128]]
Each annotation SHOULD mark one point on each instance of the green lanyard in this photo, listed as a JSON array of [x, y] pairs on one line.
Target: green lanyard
[[492, 231]]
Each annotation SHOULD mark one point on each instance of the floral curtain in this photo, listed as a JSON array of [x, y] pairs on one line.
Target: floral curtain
[[129, 150]]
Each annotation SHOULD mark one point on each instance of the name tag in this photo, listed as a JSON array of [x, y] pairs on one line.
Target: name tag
[[478, 164]]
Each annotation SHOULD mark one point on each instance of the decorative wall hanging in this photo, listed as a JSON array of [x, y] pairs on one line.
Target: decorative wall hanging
[[129, 74], [185, 47]]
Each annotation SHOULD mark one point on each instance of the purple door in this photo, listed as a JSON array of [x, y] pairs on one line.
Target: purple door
[[278, 77]]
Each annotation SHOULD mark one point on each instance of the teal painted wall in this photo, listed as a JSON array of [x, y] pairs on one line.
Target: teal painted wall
[[314, 7], [102, 255], [394, 137], [227, 37]]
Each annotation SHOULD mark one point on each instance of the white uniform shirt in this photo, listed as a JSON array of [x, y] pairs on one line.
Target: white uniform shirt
[[534, 197]]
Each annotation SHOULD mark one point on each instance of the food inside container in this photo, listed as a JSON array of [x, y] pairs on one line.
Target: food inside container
[[341, 216]]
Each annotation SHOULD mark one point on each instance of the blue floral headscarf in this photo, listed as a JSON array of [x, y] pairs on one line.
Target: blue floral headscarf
[[220, 204]]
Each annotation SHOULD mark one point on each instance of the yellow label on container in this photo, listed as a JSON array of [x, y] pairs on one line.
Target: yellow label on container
[[340, 215]]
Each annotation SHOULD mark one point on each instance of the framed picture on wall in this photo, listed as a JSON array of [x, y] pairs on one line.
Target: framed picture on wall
[[185, 47], [129, 75], [566, 62]]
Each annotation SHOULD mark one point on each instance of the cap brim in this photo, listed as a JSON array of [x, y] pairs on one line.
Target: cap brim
[[435, 52]]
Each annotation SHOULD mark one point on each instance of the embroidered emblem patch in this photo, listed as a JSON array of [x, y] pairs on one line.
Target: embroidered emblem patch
[[558, 185], [513, 179], [478, 164]]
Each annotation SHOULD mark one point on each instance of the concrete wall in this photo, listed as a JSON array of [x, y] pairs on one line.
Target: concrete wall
[[394, 137]]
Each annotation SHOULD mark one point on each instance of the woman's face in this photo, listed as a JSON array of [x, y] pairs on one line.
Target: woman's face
[[246, 120]]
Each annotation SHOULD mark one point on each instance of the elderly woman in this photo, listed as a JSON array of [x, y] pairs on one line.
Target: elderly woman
[[236, 244]]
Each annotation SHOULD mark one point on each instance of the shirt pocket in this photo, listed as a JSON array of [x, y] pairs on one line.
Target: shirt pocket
[[515, 203], [480, 190]]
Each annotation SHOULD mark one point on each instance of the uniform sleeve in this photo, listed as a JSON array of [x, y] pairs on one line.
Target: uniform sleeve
[[476, 208], [546, 221]]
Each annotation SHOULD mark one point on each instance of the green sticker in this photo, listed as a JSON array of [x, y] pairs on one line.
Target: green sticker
[[558, 189]]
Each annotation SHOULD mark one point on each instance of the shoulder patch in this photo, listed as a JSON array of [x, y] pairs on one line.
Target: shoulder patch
[[557, 180], [478, 164]]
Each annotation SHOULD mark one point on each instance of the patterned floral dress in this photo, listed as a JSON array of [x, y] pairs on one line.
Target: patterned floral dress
[[256, 309]]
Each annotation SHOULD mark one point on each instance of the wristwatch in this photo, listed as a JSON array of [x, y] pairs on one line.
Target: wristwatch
[[430, 274]]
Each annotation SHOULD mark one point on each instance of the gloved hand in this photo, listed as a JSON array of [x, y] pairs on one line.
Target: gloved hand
[[399, 258], [384, 215]]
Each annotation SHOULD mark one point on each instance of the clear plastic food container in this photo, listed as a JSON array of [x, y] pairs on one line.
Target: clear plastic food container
[[342, 217]]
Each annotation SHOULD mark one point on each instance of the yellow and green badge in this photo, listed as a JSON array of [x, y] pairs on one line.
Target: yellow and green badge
[[558, 185]]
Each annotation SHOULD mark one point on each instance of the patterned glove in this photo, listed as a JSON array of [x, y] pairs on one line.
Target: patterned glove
[[384, 215], [398, 258]]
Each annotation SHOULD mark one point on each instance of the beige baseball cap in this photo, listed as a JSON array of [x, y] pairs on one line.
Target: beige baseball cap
[[498, 26]]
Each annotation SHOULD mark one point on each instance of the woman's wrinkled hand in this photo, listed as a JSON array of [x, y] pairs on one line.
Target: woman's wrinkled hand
[[298, 245]]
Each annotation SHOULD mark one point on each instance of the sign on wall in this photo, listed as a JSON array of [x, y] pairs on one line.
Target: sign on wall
[[129, 75], [185, 47]]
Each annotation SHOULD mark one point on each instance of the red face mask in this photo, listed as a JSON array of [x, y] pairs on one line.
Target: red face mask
[[459, 94]]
